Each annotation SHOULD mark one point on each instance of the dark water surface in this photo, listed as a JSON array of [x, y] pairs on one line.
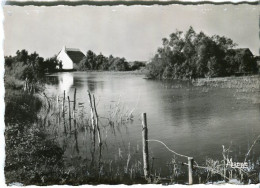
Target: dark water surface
[[194, 121]]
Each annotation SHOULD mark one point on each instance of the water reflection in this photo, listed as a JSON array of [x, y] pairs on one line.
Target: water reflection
[[66, 80], [194, 121]]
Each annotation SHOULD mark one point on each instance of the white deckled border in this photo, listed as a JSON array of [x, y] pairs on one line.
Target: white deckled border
[[215, 1], [2, 104]]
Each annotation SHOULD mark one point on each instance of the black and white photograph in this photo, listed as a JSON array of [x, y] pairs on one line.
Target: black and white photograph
[[164, 94]]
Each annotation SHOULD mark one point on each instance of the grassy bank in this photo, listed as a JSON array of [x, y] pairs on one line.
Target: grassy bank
[[30, 157], [249, 83], [246, 87]]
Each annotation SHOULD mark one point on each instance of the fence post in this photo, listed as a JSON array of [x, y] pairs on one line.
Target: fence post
[[58, 108], [63, 104], [92, 117], [190, 167], [74, 110], [63, 112], [96, 114], [74, 103], [145, 146], [69, 112]]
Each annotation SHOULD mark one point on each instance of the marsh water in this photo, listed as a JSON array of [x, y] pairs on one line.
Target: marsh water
[[191, 120]]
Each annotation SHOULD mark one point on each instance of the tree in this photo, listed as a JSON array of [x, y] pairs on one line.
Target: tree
[[9, 60], [101, 62], [51, 64], [191, 55], [22, 56], [90, 60], [119, 64], [136, 65]]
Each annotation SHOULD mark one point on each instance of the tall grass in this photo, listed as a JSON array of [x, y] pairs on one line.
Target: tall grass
[[84, 160]]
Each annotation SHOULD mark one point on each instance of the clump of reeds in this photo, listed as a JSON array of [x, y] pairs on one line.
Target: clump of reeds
[[67, 120]]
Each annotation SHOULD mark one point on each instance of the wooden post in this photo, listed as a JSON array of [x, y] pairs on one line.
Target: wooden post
[[190, 167], [74, 109], [74, 103], [224, 171], [57, 102], [58, 108], [63, 104], [74, 106], [92, 116], [63, 112], [26, 84], [69, 112], [96, 114], [145, 146]]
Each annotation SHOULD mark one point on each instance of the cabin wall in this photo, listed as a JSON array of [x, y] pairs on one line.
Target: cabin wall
[[66, 61]]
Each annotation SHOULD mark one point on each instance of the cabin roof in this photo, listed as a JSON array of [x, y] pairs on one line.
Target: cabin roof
[[75, 54], [241, 51]]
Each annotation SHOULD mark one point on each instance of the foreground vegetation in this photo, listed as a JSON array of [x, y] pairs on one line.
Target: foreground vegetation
[[30, 157], [43, 148], [194, 55]]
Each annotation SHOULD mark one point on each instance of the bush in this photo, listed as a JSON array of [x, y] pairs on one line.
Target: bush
[[21, 107], [31, 158]]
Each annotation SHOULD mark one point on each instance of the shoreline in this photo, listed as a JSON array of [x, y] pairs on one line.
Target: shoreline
[[233, 80]]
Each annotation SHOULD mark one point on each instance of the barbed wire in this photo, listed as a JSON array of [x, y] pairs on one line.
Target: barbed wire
[[153, 140]]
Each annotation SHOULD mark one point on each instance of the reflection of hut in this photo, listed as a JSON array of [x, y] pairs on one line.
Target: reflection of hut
[[257, 58], [69, 57], [258, 64], [66, 80]]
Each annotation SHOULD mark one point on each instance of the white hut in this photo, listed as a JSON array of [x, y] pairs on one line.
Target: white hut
[[69, 57]]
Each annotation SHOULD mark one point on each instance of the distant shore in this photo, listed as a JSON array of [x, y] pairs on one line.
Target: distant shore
[[230, 82], [141, 71]]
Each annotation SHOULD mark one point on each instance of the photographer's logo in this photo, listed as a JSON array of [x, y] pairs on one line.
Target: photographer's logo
[[232, 164]]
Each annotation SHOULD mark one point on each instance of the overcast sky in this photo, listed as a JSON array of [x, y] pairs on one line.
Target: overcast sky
[[133, 32]]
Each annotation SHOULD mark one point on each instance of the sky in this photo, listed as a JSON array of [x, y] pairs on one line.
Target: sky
[[133, 32]]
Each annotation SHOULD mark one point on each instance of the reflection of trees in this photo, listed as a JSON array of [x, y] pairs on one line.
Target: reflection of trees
[[52, 80], [78, 82], [93, 83], [196, 109]]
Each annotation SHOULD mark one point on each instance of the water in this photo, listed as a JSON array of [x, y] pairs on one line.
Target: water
[[194, 121]]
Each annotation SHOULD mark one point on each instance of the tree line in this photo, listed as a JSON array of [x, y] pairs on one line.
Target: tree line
[[33, 67], [193, 55], [103, 63], [29, 67]]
